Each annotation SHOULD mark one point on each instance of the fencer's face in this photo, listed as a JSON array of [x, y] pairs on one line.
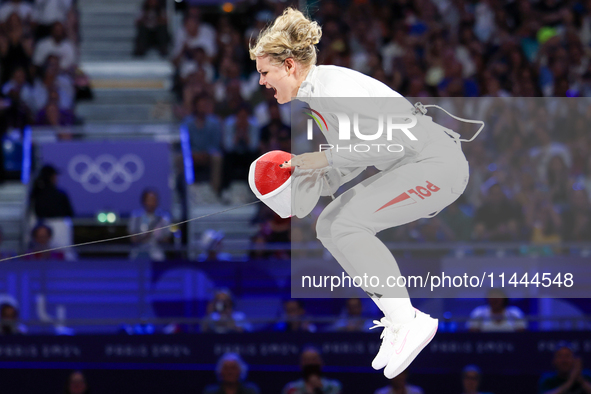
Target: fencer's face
[[279, 78]]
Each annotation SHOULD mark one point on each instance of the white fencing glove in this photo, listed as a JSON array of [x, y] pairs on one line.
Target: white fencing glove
[[271, 183]]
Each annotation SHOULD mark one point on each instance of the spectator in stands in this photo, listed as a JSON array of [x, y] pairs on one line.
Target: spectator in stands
[[274, 134], [241, 142], [9, 320], [18, 91], [206, 142], [498, 219], [52, 85], [194, 33], [47, 199], [262, 111], [22, 8], [52, 115], [197, 60], [48, 12], [546, 149], [294, 318], [231, 372], [58, 45], [433, 230], [439, 49], [229, 40], [221, 317], [258, 243], [40, 242], [471, 377], [398, 385], [459, 223], [352, 319], [273, 231], [77, 384], [576, 219], [313, 380], [559, 181], [211, 243], [18, 88], [52, 206], [150, 217], [16, 48], [193, 85], [228, 89], [585, 178], [547, 224], [151, 29], [569, 377], [497, 315]]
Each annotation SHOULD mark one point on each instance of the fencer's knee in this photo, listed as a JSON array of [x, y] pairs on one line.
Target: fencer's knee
[[323, 229], [346, 226]]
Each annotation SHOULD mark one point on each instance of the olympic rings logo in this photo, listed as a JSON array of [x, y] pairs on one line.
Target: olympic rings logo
[[106, 172]]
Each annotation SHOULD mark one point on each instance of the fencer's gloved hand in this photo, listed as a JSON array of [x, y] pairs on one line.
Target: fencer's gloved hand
[[308, 161]]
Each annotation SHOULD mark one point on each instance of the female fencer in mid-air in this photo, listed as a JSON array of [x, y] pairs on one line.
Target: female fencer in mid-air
[[433, 164]]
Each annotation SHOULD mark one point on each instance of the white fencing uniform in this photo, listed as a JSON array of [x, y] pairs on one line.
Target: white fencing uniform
[[427, 176]]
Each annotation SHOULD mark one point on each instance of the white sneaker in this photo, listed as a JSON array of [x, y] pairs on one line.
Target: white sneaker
[[388, 337], [411, 339]]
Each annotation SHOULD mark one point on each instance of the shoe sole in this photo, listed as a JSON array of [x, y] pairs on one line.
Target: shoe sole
[[377, 367], [413, 355]]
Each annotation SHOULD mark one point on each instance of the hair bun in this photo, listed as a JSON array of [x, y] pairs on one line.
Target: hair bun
[[290, 35]]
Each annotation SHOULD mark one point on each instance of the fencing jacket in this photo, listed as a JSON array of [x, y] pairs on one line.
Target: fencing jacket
[[331, 89]]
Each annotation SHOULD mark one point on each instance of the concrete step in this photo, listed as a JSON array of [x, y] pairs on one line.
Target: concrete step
[[13, 191], [90, 33], [125, 69], [10, 245], [120, 7], [129, 96], [106, 4], [11, 211], [11, 228], [107, 44], [130, 113], [105, 56], [107, 19], [119, 56]]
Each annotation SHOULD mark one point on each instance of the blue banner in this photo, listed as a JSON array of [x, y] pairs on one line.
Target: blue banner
[[110, 175], [448, 353]]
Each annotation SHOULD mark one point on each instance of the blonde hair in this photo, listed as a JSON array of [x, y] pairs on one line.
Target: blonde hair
[[291, 35]]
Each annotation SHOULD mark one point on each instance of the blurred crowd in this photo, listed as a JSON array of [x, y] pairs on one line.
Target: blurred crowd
[[529, 174], [568, 376], [39, 75], [231, 375]]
